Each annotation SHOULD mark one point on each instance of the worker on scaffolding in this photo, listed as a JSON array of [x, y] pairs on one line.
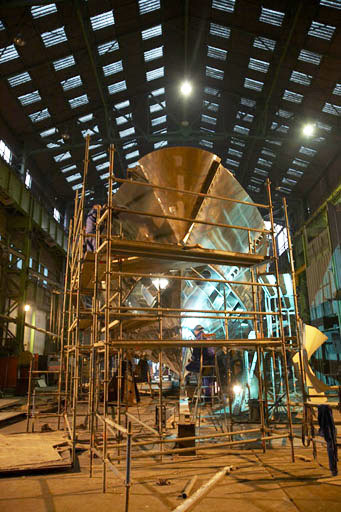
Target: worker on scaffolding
[[208, 361], [90, 228]]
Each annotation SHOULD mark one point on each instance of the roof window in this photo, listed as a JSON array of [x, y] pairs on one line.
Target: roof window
[[263, 43], [154, 74], [216, 53], [112, 68], [8, 53], [117, 87], [156, 107], [149, 33], [329, 108], [125, 133], [321, 31], [259, 65], [62, 156], [158, 92], [301, 78], [146, 6], [337, 89], [231, 162], [206, 143], [105, 19], [155, 53], [31, 97], [110, 46], [219, 31], [123, 119], [71, 83], [86, 118], [73, 177], [79, 101], [38, 11], [307, 151], [334, 4], [54, 37], [211, 91], [218, 74], [133, 154], [63, 63], [223, 5], [19, 79], [213, 107], [272, 17], [255, 85], [241, 129], [39, 116], [208, 119], [294, 97], [311, 57], [122, 104], [158, 120]]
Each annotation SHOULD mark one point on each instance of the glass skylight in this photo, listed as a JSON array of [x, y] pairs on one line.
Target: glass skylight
[[264, 162], [114, 67], [19, 79], [213, 107], [244, 116], [74, 177], [230, 162], [323, 126], [160, 144], [54, 37], [247, 102], [71, 83], [208, 119], [311, 57], [321, 31], [261, 172], [103, 165], [259, 65], [219, 31], [159, 120], [86, 118], [105, 19], [1, 26], [216, 53], [301, 78], [157, 107], [329, 108], [235, 152], [39, 116], [155, 73], [153, 54], [241, 129], [307, 151], [123, 119], [146, 6], [110, 46], [263, 43], [38, 11], [255, 85], [206, 143], [133, 154], [63, 63], [129, 145], [62, 156], [31, 97], [300, 163], [284, 113], [294, 97], [218, 74], [337, 89], [117, 87], [149, 33], [211, 91], [122, 104], [49, 132], [205, 129], [79, 101], [238, 142], [223, 5], [334, 4], [99, 156], [295, 173], [288, 181], [77, 187], [268, 152], [68, 168], [272, 17], [125, 133], [158, 92], [8, 53]]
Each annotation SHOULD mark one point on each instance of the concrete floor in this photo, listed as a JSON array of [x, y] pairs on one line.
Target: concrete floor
[[260, 482]]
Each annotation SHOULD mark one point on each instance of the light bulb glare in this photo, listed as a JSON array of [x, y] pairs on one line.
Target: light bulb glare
[[186, 88], [308, 130], [27, 307], [237, 389]]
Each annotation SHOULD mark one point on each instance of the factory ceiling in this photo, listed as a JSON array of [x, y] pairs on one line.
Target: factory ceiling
[[260, 71]]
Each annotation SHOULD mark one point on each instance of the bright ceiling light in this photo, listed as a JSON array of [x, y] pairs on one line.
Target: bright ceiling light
[[308, 129], [186, 88], [27, 307], [237, 389], [160, 284]]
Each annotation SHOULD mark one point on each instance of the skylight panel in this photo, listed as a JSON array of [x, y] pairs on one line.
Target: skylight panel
[[247, 102], [160, 144], [264, 162], [334, 4], [157, 107], [129, 145], [105, 19], [220, 31], [272, 17], [31, 97], [218, 74], [86, 118], [71, 83], [223, 5], [123, 119], [258, 181], [241, 129], [103, 165], [288, 181], [49, 132], [295, 173], [235, 152], [284, 113], [323, 126], [259, 65], [2, 27], [263, 43], [19, 79], [63, 63], [117, 87], [90, 131], [160, 131], [39, 116], [68, 168], [112, 68], [232, 163], [255, 85], [337, 90], [73, 177], [321, 31], [79, 101], [301, 78], [205, 129], [122, 104], [159, 120], [253, 188], [104, 177], [208, 119], [216, 53], [244, 116], [294, 97], [213, 107], [77, 187], [206, 143], [311, 57], [99, 156], [54, 37], [211, 91], [329, 108], [110, 46], [62, 156], [268, 152], [155, 74], [153, 54], [125, 133], [8, 53], [282, 128], [158, 92], [238, 142], [146, 6], [261, 172], [149, 33], [307, 151], [133, 154], [300, 163], [38, 11], [274, 142]]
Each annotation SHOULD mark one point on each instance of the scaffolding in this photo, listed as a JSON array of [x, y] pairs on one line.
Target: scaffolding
[[97, 321]]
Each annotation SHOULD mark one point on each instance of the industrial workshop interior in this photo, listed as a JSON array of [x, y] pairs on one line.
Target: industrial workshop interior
[[170, 255]]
